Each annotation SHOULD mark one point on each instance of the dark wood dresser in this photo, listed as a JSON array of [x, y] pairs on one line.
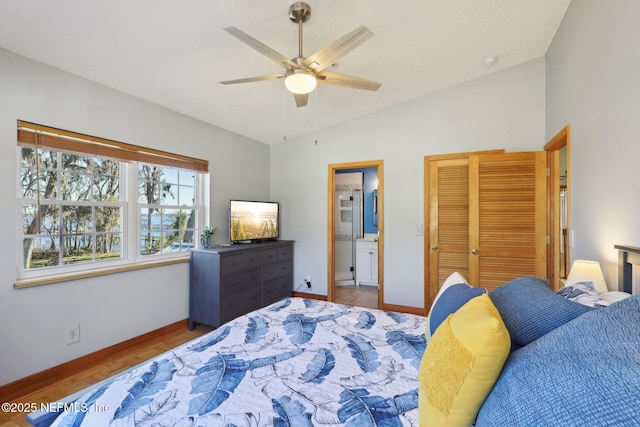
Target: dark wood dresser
[[227, 282]]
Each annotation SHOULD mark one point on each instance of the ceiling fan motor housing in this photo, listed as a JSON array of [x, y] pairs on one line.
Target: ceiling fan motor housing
[[299, 12]]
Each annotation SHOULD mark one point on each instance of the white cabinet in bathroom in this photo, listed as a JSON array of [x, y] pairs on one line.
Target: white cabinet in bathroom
[[366, 262]]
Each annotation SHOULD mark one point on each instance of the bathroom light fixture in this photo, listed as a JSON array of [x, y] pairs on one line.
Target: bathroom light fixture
[[299, 81]]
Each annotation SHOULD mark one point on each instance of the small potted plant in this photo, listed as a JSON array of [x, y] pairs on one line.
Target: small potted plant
[[205, 236]]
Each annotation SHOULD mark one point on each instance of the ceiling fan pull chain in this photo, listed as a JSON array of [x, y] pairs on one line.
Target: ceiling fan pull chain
[[284, 113], [315, 118]]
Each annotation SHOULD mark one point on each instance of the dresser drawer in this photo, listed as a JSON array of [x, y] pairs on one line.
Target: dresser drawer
[[238, 304], [239, 282], [232, 263], [276, 289], [285, 253], [278, 269], [269, 255], [252, 259]]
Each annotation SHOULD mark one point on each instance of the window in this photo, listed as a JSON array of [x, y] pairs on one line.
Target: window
[[71, 208], [166, 198], [87, 202]]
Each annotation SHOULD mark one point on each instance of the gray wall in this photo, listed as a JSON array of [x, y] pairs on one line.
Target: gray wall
[[500, 110], [113, 308], [593, 84]]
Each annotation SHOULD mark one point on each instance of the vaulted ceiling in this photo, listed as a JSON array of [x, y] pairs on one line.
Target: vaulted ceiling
[[175, 53]]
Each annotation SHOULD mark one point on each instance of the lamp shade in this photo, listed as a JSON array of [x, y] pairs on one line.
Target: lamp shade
[[300, 82], [587, 271]]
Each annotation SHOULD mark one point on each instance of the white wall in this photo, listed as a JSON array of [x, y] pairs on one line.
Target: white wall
[[113, 308], [593, 84], [500, 110]]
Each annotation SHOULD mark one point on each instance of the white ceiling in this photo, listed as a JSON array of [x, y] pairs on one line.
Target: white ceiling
[[174, 53]]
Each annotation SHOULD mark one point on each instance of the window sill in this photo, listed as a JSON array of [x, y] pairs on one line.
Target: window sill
[[58, 278]]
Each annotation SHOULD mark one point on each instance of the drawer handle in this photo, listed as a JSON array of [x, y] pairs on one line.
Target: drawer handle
[[234, 283], [234, 263], [234, 305]]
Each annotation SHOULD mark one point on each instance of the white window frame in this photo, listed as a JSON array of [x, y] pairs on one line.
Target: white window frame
[[201, 206], [131, 258]]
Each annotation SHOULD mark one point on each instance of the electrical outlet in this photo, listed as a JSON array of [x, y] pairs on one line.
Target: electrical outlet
[[73, 333], [307, 281]]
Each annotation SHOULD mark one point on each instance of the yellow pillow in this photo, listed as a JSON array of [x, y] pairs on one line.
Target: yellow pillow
[[461, 364]]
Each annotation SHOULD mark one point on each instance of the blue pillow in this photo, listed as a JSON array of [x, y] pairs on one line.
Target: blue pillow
[[530, 309], [585, 372], [454, 297]]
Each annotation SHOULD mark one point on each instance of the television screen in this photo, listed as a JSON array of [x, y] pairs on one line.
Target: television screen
[[253, 221]]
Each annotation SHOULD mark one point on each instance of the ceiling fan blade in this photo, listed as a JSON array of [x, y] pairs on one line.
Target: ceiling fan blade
[[327, 56], [331, 78], [301, 100], [254, 79], [276, 57]]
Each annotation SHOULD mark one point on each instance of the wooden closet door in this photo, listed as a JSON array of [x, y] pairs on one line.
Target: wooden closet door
[[507, 217], [447, 204]]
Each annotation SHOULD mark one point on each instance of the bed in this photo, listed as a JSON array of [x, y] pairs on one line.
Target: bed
[[297, 362], [302, 362]]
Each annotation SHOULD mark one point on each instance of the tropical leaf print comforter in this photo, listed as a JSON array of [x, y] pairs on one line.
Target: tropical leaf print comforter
[[298, 362]]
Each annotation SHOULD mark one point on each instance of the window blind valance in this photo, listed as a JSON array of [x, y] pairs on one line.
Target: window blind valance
[[31, 134]]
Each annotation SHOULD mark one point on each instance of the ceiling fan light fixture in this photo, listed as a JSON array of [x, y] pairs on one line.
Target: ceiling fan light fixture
[[300, 81], [302, 74]]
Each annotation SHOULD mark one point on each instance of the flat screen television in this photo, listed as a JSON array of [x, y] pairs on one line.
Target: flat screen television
[[253, 221]]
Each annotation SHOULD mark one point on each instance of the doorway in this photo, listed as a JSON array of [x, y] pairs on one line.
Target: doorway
[[368, 206], [558, 199], [349, 223]]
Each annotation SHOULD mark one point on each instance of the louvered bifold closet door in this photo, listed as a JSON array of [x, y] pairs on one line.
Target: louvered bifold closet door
[[507, 209], [448, 221]]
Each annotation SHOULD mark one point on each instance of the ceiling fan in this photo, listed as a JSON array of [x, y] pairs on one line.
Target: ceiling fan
[[303, 74]]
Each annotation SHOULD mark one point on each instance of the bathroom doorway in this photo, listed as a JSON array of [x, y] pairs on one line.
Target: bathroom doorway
[[349, 223], [355, 219]]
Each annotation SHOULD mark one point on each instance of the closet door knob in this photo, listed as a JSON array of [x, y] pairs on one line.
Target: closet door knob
[[434, 247], [475, 251]]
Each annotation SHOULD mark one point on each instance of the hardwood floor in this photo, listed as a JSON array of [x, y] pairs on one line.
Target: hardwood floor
[[118, 362], [363, 296]]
